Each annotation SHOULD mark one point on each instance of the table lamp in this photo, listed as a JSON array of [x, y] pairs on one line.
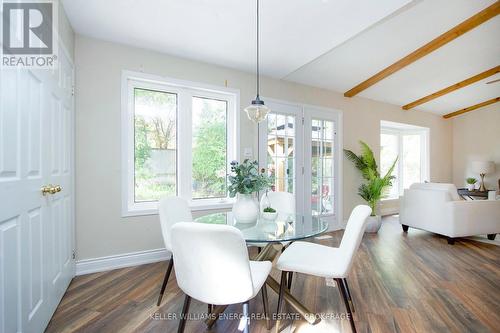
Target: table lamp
[[482, 168]]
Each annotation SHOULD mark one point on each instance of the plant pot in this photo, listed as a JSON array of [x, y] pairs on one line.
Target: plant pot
[[373, 223], [245, 209], [269, 216], [471, 187]]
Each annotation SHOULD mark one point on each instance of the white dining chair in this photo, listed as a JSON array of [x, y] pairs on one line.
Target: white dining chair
[[212, 266], [283, 202], [171, 210], [325, 261]]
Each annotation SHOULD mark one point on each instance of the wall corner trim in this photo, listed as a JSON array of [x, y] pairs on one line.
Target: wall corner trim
[[94, 265]]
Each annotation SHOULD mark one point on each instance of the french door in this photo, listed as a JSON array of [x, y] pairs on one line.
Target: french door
[[36, 228], [299, 147]]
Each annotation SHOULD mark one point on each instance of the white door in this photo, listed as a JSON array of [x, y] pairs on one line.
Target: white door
[[301, 146], [280, 148], [36, 230]]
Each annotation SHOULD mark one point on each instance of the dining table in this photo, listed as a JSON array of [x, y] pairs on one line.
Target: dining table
[[271, 235]]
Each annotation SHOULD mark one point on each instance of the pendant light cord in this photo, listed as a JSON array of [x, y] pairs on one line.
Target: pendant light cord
[[258, 75]]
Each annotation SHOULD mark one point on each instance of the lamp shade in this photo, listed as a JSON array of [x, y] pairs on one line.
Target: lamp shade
[[486, 167]]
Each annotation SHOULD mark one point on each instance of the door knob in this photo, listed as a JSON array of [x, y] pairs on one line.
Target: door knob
[[51, 189], [47, 189]]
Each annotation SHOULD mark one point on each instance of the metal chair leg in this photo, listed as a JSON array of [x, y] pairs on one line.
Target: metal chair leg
[[184, 313], [209, 308], [165, 280], [266, 306], [281, 299], [346, 287], [289, 282], [247, 318], [346, 303]]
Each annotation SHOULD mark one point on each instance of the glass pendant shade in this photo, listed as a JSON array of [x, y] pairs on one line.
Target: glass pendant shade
[[257, 111]]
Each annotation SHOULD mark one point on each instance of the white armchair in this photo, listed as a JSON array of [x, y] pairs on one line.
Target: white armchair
[[438, 208]]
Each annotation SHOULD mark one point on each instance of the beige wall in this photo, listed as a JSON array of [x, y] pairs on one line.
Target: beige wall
[[476, 136], [100, 229]]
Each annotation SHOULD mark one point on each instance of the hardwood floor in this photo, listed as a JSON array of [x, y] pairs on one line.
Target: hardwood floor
[[412, 282]]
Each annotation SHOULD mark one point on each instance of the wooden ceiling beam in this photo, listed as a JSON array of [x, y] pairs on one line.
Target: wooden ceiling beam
[[433, 45], [471, 108], [453, 87]]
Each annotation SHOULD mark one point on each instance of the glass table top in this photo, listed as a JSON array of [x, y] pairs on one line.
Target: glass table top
[[286, 227]]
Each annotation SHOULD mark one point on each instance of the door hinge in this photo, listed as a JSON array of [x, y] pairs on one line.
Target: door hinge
[[72, 90], [302, 170], [302, 120], [74, 255]]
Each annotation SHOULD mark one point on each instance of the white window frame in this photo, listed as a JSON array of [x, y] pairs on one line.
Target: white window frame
[[400, 129], [185, 90]]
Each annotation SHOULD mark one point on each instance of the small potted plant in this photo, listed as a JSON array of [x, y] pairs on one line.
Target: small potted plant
[[245, 180], [471, 183], [269, 213]]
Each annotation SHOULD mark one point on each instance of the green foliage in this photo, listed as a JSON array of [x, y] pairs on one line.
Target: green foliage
[[209, 154], [247, 179], [269, 210], [374, 187], [471, 180], [142, 148]]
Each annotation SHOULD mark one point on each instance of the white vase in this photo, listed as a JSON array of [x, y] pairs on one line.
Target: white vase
[[471, 187], [373, 223], [245, 209]]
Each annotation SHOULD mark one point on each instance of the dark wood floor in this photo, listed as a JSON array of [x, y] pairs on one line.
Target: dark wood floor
[[400, 283]]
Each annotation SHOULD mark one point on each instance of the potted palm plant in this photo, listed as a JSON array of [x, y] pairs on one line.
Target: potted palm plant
[[374, 187], [245, 180]]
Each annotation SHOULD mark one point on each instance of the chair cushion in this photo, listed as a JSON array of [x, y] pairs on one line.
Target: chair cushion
[[313, 259], [260, 270]]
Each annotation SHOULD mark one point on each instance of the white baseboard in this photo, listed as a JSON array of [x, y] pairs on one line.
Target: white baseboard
[[87, 266]]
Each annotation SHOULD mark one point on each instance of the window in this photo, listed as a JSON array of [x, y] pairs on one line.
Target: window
[[178, 139], [410, 144]]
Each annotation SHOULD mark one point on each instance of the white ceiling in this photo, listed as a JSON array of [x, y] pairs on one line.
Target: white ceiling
[[333, 44]]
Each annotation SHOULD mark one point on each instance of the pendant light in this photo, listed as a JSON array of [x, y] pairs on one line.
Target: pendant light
[[257, 111]]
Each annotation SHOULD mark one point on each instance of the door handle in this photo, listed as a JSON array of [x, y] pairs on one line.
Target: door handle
[[51, 189]]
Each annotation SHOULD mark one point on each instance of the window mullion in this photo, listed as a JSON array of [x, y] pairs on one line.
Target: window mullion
[[184, 144]]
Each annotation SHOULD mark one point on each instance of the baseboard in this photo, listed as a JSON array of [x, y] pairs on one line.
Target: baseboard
[[94, 265]]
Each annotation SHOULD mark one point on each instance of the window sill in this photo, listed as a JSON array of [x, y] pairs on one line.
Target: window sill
[[198, 205]]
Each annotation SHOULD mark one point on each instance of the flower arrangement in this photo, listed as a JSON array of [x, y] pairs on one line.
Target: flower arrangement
[[247, 179]]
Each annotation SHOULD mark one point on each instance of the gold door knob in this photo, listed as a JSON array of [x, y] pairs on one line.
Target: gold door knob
[[47, 189], [51, 189]]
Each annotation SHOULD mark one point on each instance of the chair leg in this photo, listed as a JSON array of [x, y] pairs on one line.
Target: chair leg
[[281, 299], [209, 308], [405, 227], [246, 317], [265, 303], [346, 303], [451, 240], [348, 291], [184, 313], [289, 282], [165, 280], [491, 236]]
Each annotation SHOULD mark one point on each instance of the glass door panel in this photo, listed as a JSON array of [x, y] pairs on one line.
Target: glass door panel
[[322, 135]]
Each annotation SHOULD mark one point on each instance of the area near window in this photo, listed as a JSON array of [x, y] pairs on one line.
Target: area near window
[[178, 139], [410, 144]]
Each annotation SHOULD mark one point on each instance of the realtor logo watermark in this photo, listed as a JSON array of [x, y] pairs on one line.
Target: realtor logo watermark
[[29, 37]]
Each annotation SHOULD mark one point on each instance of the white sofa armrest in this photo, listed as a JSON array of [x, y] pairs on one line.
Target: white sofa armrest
[[470, 218]]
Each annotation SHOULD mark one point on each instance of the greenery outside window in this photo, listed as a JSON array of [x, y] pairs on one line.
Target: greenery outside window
[[178, 139]]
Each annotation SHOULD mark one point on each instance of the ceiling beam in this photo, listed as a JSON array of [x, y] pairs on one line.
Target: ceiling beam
[[471, 108], [433, 45], [453, 87]]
